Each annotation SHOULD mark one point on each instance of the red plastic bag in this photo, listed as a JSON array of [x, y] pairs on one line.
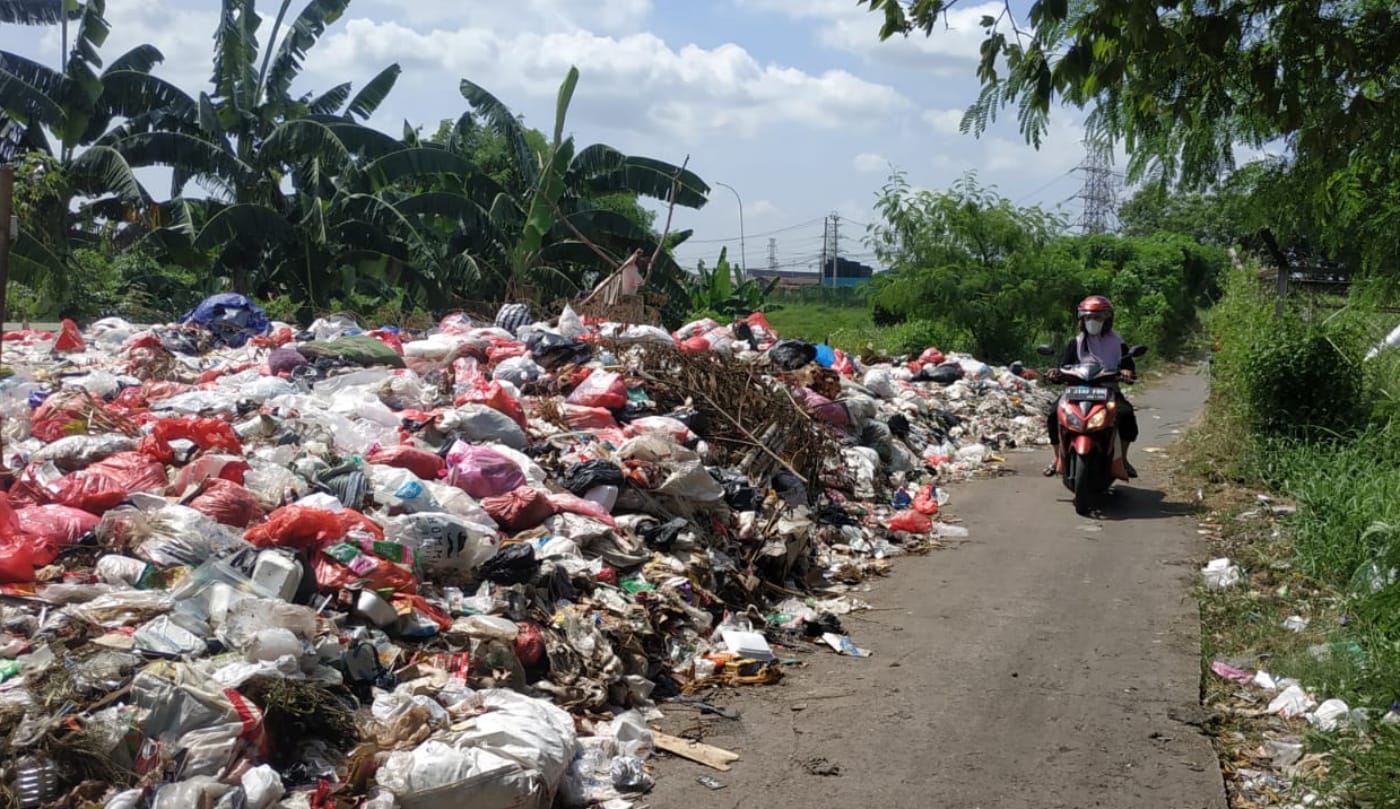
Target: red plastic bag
[[932, 356], [134, 471], [69, 338], [696, 345], [499, 354], [298, 527], [588, 418], [843, 364], [228, 503], [277, 339], [926, 501], [911, 521], [482, 471], [21, 554], [521, 510], [213, 374], [389, 339], [61, 525], [426, 465], [529, 644], [494, 396], [564, 501], [207, 434], [85, 489], [205, 467], [601, 389]]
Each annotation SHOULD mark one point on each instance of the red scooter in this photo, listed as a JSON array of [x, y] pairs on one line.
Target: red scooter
[[1089, 456]]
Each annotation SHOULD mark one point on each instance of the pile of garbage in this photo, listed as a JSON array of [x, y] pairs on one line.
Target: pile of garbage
[[243, 565]]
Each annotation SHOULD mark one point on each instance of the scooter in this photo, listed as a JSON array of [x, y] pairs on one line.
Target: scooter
[[1089, 456]]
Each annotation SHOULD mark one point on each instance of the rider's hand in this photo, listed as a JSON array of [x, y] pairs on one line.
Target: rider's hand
[[1128, 376]]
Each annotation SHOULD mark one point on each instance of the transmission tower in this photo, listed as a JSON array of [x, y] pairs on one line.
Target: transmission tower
[[1100, 189], [772, 255]]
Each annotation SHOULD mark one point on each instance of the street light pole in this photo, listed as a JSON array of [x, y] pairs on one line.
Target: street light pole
[[743, 253]]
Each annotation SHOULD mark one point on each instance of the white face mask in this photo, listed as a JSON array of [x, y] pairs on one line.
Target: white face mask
[[1093, 327]]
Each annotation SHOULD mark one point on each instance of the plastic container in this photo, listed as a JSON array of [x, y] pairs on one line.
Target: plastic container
[[277, 574], [36, 783], [605, 496]]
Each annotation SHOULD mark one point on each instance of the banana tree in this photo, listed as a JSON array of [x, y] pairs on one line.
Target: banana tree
[[533, 225], [271, 162]]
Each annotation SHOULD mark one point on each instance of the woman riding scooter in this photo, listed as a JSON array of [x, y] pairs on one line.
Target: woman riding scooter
[[1098, 342]]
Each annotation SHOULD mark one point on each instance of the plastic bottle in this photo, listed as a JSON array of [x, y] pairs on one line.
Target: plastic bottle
[[605, 496], [36, 783]]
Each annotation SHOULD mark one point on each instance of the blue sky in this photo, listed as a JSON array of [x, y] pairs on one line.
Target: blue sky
[[795, 103]]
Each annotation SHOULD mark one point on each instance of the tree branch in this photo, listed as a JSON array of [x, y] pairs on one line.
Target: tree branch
[[670, 211]]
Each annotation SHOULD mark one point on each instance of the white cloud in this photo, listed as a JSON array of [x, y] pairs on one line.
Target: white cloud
[[946, 122], [543, 16], [764, 209], [952, 49], [869, 163], [631, 82]]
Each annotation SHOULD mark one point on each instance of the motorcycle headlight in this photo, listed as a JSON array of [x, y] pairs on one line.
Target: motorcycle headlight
[[1097, 420]]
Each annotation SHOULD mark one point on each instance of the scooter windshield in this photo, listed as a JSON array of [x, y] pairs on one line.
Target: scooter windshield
[[1086, 372]]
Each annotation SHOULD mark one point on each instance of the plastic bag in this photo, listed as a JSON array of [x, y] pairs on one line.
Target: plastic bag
[[520, 510], [674, 428], [790, 355], [298, 527], [482, 471], [62, 525], [443, 543], [603, 389], [588, 418], [926, 501], [579, 478], [228, 503], [90, 491], [207, 434], [69, 338], [931, 356], [426, 465], [80, 451], [511, 564], [134, 471], [562, 502], [483, 425], [910, 521], [493, 394], [207, 467]]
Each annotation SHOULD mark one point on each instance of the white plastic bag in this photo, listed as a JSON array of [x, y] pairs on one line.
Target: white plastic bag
[[263, 787], [1221, 573]]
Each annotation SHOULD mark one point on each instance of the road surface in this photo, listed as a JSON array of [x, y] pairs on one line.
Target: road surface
[[1049, 661]]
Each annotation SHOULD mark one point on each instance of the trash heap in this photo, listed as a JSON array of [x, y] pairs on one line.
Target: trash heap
[[245, 566]]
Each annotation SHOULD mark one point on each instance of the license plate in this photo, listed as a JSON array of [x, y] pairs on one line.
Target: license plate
[[1086, 393]]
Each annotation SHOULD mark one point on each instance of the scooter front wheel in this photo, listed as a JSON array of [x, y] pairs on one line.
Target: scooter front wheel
[[1083, 475]]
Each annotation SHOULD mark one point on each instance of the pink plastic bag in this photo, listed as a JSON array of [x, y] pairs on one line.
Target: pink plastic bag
[[674, 428], [564, 501], [62, 525], [519, 510], [482, 471], [601, 389]]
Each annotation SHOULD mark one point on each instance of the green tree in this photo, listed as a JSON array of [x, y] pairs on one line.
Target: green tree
[[970, 258], [1181, 85]]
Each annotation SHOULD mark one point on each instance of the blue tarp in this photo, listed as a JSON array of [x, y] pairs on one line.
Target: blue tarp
[[826, 356], [230, 317]]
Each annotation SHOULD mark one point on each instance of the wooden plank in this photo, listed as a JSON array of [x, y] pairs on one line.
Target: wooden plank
[[713, 757]]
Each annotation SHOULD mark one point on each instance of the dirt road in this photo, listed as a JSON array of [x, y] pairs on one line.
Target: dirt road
[[1049, 661]]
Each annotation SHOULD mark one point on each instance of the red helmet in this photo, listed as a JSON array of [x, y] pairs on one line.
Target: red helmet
[[1095, 305]]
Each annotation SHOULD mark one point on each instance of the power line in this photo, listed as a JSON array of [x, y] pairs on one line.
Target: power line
[[1057, 179], [769, 233]]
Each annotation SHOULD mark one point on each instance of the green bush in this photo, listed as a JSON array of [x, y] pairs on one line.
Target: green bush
[[1299, 381]]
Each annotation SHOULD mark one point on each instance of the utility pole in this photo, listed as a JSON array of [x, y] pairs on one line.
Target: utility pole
[[1099, 191], [7, 207], [826, 242], [835, 246], [743, 254]]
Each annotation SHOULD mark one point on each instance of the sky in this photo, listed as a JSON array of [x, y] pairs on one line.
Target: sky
[[796, 104]]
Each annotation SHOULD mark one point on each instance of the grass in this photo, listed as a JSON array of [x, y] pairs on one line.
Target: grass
[[820, 322]]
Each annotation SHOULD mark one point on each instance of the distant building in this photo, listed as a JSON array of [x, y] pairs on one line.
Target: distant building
[[848, 274]]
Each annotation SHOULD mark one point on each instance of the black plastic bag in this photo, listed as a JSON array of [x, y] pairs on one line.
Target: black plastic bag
[[790, 488], [945, 374], [513, 564], [790, 355], [899, 425], [553, 350], [663, 535], [581, 477]]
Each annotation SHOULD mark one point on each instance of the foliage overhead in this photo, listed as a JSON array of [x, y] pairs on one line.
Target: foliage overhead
[[1182, 85]]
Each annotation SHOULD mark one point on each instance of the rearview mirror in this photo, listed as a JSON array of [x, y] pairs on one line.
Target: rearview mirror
[[1044, 351], [1137, 351]]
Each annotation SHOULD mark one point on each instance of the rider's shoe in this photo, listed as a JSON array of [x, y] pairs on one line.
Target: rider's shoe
[[1050, 470], [1132, 473]]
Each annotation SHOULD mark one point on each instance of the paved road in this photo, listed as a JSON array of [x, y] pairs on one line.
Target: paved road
[[1051, 661]]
